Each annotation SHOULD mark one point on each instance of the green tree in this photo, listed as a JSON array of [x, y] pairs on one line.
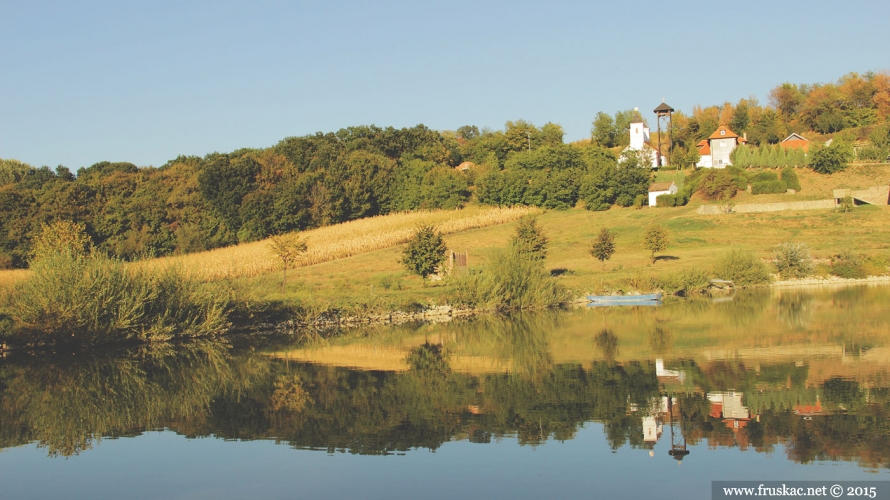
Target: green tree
[[603, 132], [603, 247], [61, 237], [828, 160], [425, 251], [288, 248], [529, 239], [656, 239]]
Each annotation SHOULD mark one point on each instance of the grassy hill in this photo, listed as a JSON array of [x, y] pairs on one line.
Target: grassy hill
[[357, 265]]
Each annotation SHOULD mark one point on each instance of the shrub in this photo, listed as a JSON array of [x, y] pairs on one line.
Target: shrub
[[684, 282], [828, 160], [666, 200], [847, 265], [793, 260], [510, 280], [764, 176], [742, 268], [717, 185], [768, 187], [93, 299], [789, 177]]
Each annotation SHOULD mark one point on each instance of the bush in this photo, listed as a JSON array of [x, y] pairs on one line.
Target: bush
[[510, 280], [829, 160], [764, 176], [789, 177], [768, 187], [847, 265], [684, 282], [717, 185], [92, 300], [742, 268], [793, 260]]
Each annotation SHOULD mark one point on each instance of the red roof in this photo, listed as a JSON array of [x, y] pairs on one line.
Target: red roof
[[727, 133], [796, 144], [705, 149]]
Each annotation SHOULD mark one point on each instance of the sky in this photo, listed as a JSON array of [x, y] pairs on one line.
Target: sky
[[87, 81]]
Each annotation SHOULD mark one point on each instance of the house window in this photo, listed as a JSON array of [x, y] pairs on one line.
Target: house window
[[722, 132]]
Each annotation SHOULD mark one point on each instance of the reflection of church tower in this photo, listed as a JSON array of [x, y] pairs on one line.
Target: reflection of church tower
[[652, 429], [678, 443]]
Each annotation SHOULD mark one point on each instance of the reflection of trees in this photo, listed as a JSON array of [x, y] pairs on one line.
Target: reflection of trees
[[207, 389], [795, 309], [519, 341], [607, 343], [660, 340], [67, 403]]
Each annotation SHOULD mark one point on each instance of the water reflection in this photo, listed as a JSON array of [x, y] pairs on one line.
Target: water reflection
[[647, 376]]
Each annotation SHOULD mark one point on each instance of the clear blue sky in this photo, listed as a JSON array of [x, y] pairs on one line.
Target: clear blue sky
[[86, 81]]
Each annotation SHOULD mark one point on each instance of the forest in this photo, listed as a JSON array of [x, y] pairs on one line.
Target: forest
[[191, 203]]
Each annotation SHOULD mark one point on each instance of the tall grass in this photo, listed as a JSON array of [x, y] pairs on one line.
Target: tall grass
[[336, 242], [510, 281], [92, 300]]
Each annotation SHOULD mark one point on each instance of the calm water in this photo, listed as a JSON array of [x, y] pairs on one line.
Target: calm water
[[600, 403]]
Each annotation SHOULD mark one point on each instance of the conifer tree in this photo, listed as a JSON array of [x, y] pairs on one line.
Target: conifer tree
[[772, 160], [783, 157]]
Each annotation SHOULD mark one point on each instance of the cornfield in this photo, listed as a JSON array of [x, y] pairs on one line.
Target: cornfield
[[334, 242]]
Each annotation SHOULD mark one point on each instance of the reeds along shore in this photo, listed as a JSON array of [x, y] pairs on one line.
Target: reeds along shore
[[92, 299]]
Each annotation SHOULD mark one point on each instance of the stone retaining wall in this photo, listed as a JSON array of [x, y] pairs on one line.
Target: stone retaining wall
[[764, 207]]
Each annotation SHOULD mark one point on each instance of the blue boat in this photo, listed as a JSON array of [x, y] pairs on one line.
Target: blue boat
[[626, 303], [645, 299]]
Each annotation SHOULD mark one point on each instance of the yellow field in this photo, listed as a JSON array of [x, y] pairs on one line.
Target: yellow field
[[335, 242]]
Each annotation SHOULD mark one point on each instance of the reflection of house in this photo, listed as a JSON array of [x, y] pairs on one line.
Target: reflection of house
[[728, 407], [719, 145], [806, 410], [668, 375], [639, 142], [659, 188]]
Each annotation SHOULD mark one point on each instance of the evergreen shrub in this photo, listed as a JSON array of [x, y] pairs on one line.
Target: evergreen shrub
[[768, 187]]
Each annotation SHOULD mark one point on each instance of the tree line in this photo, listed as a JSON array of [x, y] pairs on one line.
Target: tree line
[[196, 203], [856, 105]]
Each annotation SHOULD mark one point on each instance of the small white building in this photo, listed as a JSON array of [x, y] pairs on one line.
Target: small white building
[[639, 142], [659, 188]]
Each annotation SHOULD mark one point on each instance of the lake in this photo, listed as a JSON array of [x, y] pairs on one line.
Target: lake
[[629, 402]]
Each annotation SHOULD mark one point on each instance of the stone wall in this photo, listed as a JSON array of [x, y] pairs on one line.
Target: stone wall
[[764, 207]]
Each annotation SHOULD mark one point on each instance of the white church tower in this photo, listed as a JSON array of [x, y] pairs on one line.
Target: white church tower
[[639, 134]]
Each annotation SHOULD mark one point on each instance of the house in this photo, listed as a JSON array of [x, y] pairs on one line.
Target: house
[[704, 150], [639, 141], [718, 147], [659, 188], [796, 141]]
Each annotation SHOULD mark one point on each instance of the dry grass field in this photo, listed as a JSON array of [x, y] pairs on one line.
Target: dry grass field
[[335, 242]]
